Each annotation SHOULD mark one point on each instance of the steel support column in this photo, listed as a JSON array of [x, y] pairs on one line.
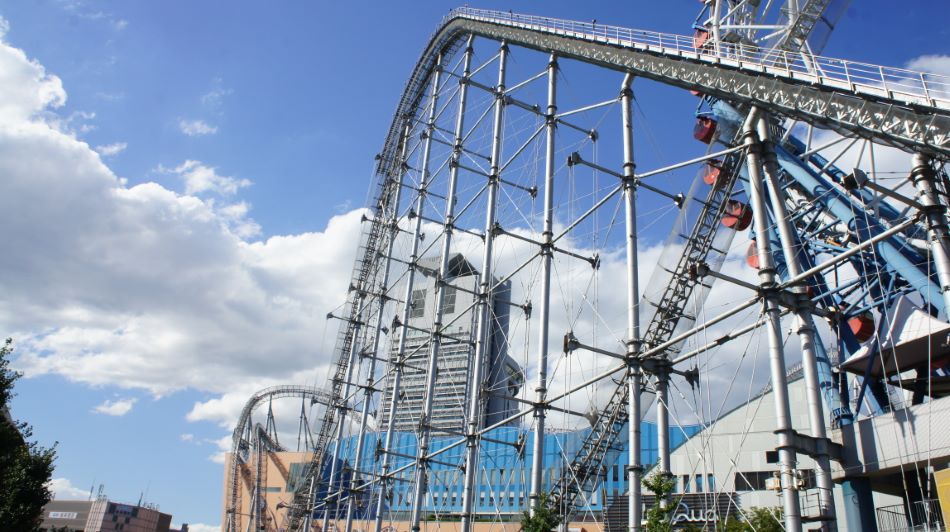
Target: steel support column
[[768, 284], [421, 478], [922, 175], [341, 410], [635, 468], [805, 328], [483, 307], [544, 311], [663, 421], [396, 358]]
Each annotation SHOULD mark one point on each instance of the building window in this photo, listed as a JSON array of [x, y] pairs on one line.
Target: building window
[[752, 480], [418, 305], [711, 482], [699, 483], [771, 457], [808, 479], [686, 484], [448, 299]]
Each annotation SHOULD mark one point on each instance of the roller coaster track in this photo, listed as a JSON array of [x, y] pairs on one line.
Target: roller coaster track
[[909, 110], [243, 435]]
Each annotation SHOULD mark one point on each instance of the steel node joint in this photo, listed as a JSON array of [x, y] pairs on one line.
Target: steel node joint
[[634, 362], [661, 367], [547, 248], [768, 274], [636, 469]]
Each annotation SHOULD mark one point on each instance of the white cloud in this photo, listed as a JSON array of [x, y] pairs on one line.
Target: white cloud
[[77, 122], [108, 150], [187, 437], [28, 89], [142, 280], [132, 284], [118, 407], [196, 128], [224, 445], [236, 215], [110, 96], [63, 489], [199, 177], [935, 63], [215, 97]]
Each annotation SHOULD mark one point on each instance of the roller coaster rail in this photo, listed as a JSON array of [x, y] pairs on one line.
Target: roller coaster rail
[[875, 81], [908, 109]]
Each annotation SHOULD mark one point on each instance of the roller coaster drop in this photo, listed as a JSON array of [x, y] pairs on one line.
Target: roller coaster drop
[[826, 242]]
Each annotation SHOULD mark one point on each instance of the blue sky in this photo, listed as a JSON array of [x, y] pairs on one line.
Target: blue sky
[[240, 137]]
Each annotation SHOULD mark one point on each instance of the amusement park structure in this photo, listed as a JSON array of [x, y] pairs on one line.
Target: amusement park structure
[[505, 245]]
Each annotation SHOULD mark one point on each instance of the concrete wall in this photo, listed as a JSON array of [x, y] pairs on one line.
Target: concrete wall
[[914, 435], [274, 487]]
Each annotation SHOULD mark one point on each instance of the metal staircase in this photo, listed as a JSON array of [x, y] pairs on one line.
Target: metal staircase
[[364, 283], [802, 23], [590, 462]]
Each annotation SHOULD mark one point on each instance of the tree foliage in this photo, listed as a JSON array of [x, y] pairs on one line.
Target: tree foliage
[[659, 516], [545, 518], [765, 519], [754, 520], [25, 466]]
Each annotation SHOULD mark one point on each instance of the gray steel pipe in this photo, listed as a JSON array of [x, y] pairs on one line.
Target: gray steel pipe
[[805, 328], [483, 302], [544, 311], [435, 340], [633, 305], [923, 178], [767, 281], [410, 283]]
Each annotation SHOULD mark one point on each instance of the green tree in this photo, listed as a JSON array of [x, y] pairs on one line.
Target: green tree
[[545, 518], [765, 519], [658, 517], [754, 520], [731, 524], [25, 466]]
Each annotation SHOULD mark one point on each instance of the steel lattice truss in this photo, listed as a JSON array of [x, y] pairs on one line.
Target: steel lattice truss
[[479, 224]]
